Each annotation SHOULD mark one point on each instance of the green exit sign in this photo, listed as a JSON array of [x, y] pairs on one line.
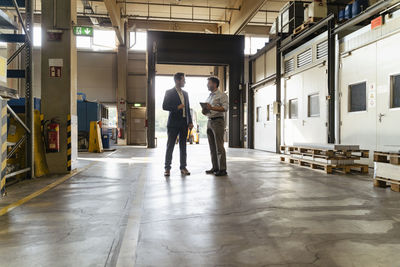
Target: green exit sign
[[83, 31]]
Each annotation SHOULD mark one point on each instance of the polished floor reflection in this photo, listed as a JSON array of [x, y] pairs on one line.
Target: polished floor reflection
[[121, 211], [266, 214]]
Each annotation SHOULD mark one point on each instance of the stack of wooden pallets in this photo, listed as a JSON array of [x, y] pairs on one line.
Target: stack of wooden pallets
[[326, 157], [307, 24], [387, 170]]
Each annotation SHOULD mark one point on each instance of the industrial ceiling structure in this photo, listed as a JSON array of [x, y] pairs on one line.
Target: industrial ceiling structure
[[209, 16]]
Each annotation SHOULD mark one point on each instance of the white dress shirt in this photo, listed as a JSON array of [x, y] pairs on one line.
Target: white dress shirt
[[218, 99], [179, 91]]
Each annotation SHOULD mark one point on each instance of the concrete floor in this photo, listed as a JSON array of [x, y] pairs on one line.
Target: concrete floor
[[121, 211]]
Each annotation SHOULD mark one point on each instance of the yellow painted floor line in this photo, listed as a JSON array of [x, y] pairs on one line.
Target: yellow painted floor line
[[41, 191]]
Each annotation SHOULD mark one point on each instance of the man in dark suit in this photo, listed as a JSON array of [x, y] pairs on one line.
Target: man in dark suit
[[176, 101]]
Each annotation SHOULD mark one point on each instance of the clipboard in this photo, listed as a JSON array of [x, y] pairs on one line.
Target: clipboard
[[203, 105]]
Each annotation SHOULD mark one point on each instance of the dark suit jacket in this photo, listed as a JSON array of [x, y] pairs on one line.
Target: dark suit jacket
[[171, 103]]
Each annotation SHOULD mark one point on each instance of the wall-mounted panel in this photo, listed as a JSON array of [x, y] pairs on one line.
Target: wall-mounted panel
[[259, 68], [271, 62]]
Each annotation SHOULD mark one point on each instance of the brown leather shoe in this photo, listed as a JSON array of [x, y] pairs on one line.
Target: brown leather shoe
[[185, 171], [167, 173]]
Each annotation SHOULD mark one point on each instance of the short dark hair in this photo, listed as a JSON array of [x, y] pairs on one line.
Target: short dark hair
[[214, 80], [178, 76]]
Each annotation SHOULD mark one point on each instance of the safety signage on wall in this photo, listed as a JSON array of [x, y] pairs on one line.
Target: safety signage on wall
[[375, 23], [83, 31], [55, 67], [55, 71], [372, 96]]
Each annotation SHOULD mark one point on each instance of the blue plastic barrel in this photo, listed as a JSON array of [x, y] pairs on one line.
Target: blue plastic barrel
[[106, 140], [348, 11], [341, 14], [355, 8]]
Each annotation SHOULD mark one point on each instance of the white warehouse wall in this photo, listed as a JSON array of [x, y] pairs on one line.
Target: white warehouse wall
[[367, 55], [97, 76]]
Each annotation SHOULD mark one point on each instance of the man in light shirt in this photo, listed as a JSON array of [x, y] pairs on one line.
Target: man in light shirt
[[176, 101], [217, 106]]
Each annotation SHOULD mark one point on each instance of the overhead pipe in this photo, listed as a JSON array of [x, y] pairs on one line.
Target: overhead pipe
[[175, 19], [178, 5]]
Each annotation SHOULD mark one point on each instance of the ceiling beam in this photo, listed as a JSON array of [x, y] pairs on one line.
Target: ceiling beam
[[158, 25], [239, 19], [114, 12], [256, 30], [173, 26]]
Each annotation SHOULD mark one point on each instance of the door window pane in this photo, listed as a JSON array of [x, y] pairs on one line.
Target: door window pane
[[138, 41], [395, 88], [258, 114], [358, 97], [313, 105], [293, 108], [268, 111]]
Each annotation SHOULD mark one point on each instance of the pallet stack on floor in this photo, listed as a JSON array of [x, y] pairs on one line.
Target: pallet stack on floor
[[387, 170], [327, 158]]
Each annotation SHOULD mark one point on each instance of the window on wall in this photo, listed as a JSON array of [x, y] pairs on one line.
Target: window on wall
[[395, 91], [37, 36], [313, 105], [103, 40], [268, 112], [83, 42], [138, 41], [293, 108], [358, 97], [252, 44], [258, 114]]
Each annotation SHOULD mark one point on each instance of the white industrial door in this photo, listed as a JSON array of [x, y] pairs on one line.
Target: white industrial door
[[309, 88], [264, 119], [358, 68], [388, 110], [293, 119], [314, 112]]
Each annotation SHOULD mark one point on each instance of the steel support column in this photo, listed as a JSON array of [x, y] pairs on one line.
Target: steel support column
[[250, 109], [331, 81], [29, 87], [278, 94], [151, 105]]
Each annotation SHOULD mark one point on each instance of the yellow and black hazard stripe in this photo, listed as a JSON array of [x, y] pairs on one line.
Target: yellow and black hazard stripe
[[69, 143], [3, 145]]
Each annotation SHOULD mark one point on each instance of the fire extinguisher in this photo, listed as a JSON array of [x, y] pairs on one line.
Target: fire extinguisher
[[53, 136]]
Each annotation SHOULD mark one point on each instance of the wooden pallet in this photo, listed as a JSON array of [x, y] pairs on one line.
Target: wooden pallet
[[307, 24], [325, 157], [387, 157], [385, 182], [325, 167], [326, 153]]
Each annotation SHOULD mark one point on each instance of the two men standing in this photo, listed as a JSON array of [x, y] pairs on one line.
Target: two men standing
[[176, 101]]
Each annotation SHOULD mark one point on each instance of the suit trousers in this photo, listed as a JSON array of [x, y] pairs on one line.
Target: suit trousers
[[215, 134], [173, 133]]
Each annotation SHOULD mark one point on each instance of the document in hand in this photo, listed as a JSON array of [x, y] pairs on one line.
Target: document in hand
[[204, 107]]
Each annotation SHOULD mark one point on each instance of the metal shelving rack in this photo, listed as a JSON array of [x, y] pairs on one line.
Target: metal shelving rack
[[25, 40]]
